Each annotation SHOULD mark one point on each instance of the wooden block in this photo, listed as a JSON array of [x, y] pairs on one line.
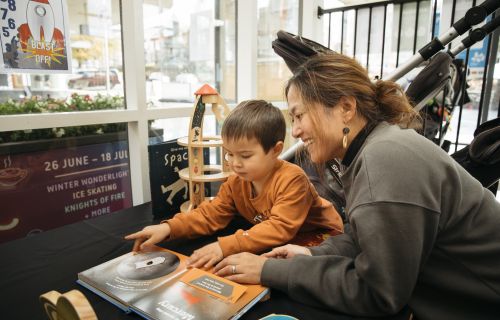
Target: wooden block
[[208, 141], [49, 303], [69, 306], [210, 99], [220, 109]]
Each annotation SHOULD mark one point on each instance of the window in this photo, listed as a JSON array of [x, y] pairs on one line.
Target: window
[[95, 43], [188, 44], [272, 72], [68, 172]]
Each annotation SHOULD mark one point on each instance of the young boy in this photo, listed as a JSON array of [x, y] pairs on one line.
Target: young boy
[[272, 194]]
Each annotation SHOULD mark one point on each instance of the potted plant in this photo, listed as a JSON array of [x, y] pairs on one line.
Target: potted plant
[[56, 136]]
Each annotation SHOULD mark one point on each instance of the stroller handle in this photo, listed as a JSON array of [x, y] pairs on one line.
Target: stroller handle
[[476, 35], [473, 16]]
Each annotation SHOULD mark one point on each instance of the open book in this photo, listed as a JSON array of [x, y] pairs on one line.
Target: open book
[[157, 285]]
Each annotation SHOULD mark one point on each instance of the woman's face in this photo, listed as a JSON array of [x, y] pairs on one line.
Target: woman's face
[[324, 141]]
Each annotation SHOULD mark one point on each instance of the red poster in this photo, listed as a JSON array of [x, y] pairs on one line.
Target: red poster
[[46, 189]]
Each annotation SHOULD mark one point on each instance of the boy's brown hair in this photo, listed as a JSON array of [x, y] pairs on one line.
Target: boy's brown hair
[[257, 119]]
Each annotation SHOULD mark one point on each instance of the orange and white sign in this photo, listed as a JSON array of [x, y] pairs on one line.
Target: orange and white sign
[[34, 36]]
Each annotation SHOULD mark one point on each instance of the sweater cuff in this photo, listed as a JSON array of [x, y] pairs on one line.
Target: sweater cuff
[[275, 274], [176, 228], [229, 245]]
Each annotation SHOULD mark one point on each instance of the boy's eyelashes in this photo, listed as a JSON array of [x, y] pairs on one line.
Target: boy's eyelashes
[[229, 156]]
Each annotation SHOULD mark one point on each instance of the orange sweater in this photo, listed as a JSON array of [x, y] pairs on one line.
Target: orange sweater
[[287, 204]]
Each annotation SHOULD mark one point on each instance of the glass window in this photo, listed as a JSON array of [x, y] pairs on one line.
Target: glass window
[[376, 40], [179, 127], [335, 25], [226, 46], [96, 50], [349, 25], [272, 72], [68, 173], [188, 44], [424, 28], [335, 31], [407, 32], [362, 35]]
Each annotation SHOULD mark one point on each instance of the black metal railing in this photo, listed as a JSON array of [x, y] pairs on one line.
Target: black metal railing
[[421, 8]]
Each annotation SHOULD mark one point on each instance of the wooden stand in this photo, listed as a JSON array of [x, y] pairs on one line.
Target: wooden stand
[[197, 173]]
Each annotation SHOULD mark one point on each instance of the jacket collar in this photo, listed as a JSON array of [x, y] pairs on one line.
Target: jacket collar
[[356, 144]]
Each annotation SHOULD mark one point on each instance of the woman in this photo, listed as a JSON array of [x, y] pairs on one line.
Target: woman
[[424, 233]]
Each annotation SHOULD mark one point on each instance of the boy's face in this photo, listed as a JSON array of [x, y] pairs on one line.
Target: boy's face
[[248, 160]]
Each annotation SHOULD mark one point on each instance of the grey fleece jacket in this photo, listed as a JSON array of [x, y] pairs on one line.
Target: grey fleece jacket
[[424, 233]]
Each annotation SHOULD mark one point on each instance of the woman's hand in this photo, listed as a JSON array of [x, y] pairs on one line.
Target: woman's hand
[[287, 251], [206, 256], [241, 267], [149, 236]]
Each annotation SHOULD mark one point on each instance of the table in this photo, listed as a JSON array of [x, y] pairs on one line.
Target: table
[[51, 260]]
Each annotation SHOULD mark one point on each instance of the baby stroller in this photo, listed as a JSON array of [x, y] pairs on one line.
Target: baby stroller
[[441, 78], [440, 85]]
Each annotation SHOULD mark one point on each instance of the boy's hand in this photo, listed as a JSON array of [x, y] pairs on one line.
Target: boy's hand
[[149, 236], [287, 251], [206, 256]]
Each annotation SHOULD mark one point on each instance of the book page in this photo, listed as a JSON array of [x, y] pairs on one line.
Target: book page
[[179, 300], [210, 283], [129, 276], [149, 283]]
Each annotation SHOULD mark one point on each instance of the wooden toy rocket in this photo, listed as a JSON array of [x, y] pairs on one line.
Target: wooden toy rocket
[[198, 173]]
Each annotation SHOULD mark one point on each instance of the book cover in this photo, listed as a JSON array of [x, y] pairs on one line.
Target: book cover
[[168, 190], [157, 285]]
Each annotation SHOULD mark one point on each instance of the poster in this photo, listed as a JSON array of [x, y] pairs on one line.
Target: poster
[[168, 190], [46, 189], [34, 36]]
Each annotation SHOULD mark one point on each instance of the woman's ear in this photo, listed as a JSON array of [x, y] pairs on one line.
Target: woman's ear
[[348, 105]]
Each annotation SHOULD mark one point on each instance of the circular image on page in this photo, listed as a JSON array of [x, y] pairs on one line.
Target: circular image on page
[[148, 266]]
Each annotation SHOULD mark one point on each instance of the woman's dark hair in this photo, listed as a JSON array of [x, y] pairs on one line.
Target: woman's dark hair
[[324, 79]]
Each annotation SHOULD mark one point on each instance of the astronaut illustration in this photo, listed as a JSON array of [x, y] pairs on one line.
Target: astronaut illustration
[[175, 188]]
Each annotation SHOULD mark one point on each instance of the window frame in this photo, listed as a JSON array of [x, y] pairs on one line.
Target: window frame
[[137, 114]]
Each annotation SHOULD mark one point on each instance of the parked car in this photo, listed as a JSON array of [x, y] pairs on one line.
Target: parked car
[[91, 79]]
